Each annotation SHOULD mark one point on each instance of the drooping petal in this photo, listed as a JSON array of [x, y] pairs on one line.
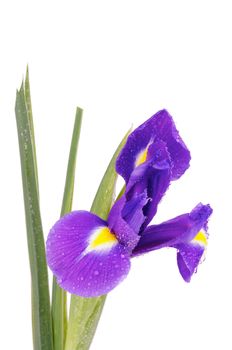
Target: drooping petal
[[181, 229], [136, 151], [85, 256], [187, 233], [188, 258]]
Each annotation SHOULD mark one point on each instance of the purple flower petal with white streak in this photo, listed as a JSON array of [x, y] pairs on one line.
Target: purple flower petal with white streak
[[159, 127], [187, 233], [85, 256]]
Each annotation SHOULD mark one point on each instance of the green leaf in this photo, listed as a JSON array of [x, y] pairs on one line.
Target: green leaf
[[85, 312], [41, 315], [83, 320], [31, 124], [59, 302]]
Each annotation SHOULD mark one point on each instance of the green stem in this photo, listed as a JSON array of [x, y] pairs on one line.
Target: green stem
[[59, 302], [41, 316], [85, 312]]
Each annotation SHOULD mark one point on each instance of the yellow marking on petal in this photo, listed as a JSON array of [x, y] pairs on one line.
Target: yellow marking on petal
[[103, 237], [142, 157], [201, 238]]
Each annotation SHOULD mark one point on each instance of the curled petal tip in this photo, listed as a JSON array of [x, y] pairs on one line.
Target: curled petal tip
[[159, 127]]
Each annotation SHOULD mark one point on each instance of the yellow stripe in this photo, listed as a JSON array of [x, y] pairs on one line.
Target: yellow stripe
[[102, 237], [141, 158], [201, 238]]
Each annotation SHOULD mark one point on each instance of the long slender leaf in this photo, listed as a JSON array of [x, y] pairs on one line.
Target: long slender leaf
[[59, 302], [41, 316], [31, 124], [85, 312]]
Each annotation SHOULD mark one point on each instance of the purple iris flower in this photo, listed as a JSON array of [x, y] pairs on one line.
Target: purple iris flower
[[90, 256]]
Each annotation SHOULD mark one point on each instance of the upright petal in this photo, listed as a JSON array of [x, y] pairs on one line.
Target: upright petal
[[126, 219], [85, 256], [159, 127], [154, 177], [187, 233]]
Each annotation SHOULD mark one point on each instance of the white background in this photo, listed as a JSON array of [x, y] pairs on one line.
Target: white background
[[122, 61]]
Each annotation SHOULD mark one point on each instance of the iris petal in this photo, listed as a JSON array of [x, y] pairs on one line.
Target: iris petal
[[126, 218], [159, 127], [190, 254], [188, 259], [85, 256], [154, 177], [181, 233]]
